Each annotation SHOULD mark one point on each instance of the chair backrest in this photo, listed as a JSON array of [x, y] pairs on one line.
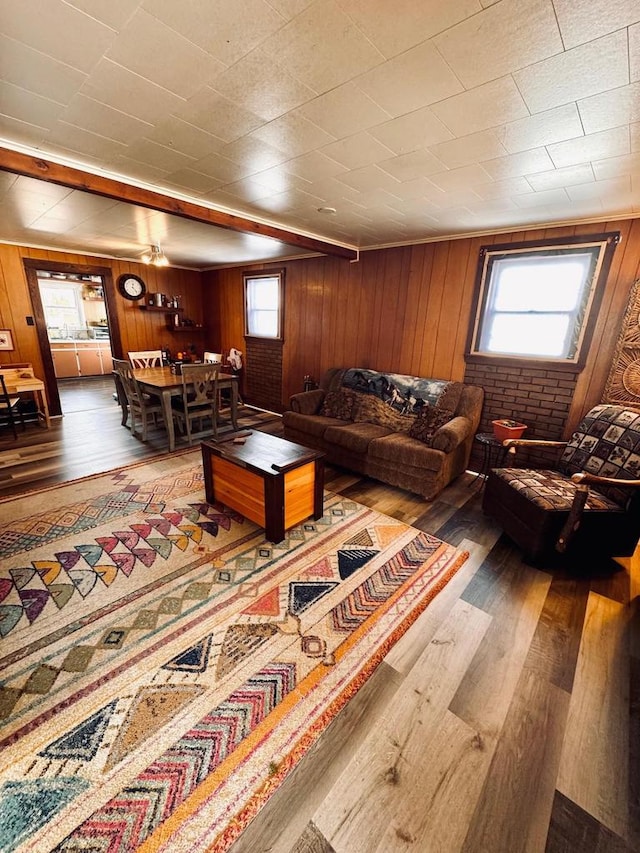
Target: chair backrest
[[146, 358], [7, 403], [607, 443], [129, 383], [212, 357], [199, 385]]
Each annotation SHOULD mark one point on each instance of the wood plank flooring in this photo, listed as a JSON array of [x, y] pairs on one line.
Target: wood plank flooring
[[505, 720]]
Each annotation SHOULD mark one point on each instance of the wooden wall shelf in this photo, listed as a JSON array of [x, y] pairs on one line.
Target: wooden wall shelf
[[161, 309]]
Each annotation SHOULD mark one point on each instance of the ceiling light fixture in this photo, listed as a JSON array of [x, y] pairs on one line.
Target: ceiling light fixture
[[155, 256]]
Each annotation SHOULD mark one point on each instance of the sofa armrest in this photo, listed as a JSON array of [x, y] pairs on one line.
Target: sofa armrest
[[307, 402], [451, 434]]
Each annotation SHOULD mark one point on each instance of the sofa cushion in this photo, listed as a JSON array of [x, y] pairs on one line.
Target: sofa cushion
[[315, 425], [354, 437], [398, 448], [450, 396], [373, 410], [428, 423], [339, 404]]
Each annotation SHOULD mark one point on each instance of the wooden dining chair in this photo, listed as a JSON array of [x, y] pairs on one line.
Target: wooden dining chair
[[199, 401], [212, 357], [146, 358], [142, 406], [10, 406]]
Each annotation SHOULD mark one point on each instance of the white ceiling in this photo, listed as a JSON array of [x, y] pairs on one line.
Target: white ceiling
[[414, 119]]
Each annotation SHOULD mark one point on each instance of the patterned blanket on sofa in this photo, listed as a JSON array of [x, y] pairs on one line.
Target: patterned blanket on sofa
[[406, 394]]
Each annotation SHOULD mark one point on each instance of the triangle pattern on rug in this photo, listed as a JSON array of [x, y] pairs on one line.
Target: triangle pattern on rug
[[386, 534], [162, 546], [152, 708], [362, 538], [27, 806], [266, 605], [194, 659], [91, 554], [10, 615], [321, 569], [239, 643], [61, 593], [33, 601], [21, 577], [303, 594], [83, 741], [350, 561]]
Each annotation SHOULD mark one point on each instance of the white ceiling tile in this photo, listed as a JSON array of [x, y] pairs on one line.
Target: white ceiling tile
[[290, 8], [460, 179], [138, 171], [113, 85], [192, 180], [525, 30], [38, 73], [57, 29], [544, 197], [418, 188], [613, 167], [595, 146], [85, 142], [229, 33], [292, 134], [466, 150], [412, 80], [167, 159], [587, 70], [600, 189], [566, 177], [523, 163], [245, 189], [104, 120], [398, 26], [218, 167], [553, 125], [368, 178], [217, 115], [406, 167], [278, 179], [585, 20], [486, 106], [506, 187], [184, 137], [634, 52], [113, 13], [314, 166], [144, 45], [418, 129], [27, 106], [262, 86], [253, 154], [322, 47], [343, 111], [610, 109]]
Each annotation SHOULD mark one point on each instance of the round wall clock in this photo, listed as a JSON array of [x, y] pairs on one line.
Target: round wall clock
[[131, 286]]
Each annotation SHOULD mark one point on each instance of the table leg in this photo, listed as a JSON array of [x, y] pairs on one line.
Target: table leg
[[234, 403], [167, 414]]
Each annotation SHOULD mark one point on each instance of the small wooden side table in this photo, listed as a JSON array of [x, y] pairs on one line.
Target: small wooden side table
[[274, 482], [493, 453]]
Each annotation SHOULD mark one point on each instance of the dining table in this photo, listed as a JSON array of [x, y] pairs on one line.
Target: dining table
[[164, 383]]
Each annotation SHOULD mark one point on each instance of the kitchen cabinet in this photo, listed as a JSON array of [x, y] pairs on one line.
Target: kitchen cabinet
[[81, 358]]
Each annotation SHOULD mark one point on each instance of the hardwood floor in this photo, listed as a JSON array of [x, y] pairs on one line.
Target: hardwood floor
[[506, 719]]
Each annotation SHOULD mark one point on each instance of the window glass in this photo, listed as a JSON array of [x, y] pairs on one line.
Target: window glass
[[536, 301], [263, 305]]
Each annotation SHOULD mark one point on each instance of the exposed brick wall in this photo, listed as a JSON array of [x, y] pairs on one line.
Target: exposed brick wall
[[263, 374], [534, 396]]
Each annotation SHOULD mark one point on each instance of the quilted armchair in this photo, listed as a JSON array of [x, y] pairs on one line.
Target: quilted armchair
[[589, 505]]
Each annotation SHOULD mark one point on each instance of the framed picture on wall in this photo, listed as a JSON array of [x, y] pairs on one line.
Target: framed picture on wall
[[6, 340]]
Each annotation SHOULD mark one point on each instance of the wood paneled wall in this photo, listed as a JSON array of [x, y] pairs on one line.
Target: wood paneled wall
[[139, 330], [408, 309]]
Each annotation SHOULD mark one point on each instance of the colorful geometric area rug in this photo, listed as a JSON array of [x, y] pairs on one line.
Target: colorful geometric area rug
[[163, 667]]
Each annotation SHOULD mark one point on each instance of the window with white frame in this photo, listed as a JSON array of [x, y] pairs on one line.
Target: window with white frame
[[538, 301], [263, 301]]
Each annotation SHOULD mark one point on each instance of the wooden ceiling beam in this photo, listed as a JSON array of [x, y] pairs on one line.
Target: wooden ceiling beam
[[67, 176]]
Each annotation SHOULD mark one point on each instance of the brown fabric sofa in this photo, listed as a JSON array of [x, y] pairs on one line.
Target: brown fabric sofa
[[374, 436]]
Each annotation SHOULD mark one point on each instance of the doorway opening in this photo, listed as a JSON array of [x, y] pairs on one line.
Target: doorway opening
[[76, 327]]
